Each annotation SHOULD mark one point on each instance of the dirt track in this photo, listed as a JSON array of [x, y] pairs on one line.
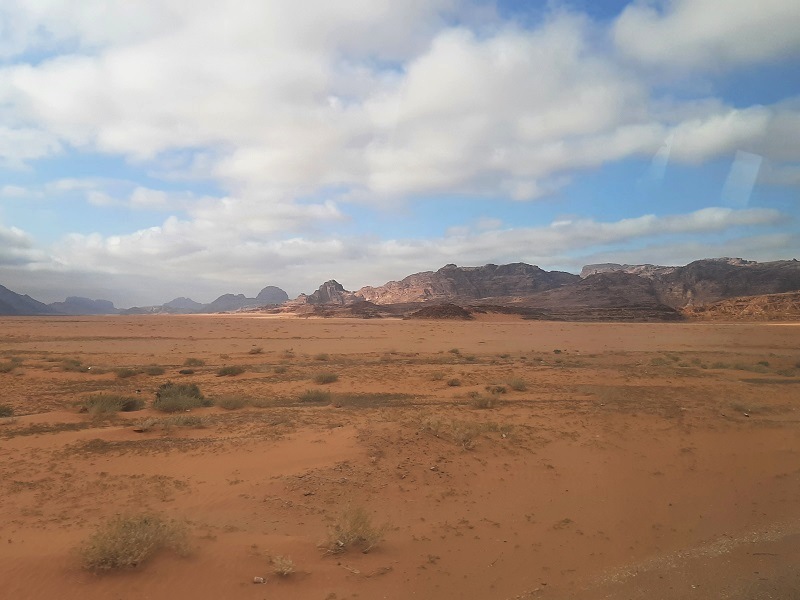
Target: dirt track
[[641, 460]]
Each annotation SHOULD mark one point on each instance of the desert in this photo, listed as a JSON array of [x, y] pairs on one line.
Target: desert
[[493, 458]]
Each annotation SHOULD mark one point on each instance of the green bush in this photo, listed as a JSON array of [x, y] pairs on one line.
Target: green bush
[[128, 541], [323, 378], [175, 397], [110, 403], [230, 371]]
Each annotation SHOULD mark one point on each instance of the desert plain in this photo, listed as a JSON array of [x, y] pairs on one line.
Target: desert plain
[[499, 458]]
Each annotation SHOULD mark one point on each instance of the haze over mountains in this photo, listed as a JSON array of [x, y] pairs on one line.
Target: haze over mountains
[[601, 291]]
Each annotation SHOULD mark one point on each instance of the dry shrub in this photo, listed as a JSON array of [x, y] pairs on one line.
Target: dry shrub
[[517, 384], [315, 397], [282, 565], [128, 541], [194, 362], [154, 370], [6, 411], [454, 382], [327, 377], [257, 350], [230, 371], [125, 372], [232, 402], [111, 403], [354, 529], [167, 424], [176, 397], [7, 367]]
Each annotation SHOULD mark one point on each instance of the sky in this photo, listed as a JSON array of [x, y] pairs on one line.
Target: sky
[[164, 148]]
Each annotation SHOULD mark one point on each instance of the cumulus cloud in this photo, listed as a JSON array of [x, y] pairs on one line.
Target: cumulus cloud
[[708, 33]]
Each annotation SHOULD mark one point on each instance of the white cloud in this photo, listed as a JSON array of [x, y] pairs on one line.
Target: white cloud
[[708, 33]]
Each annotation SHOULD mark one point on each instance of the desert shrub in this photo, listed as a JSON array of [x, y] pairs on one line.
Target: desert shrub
[[455, 351], [230, 371], [186, 371], [517, 384], [496, 389], [231, 402], [125, 372], [73, 365], [110, 403], [175, 397], [154, 370], [454, 382], [171, 422], [481, 401], [322, 357], [282, 565], [7, 367], [315, 397], [354, 529], [719, 365], [257, 350], [470, 358], [659, 361], [323, 378], [437, 376], [280, 369], [194, 362], [6, 411], [128, 541]]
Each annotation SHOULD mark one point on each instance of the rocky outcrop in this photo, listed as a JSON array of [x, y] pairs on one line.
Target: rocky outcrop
[[76, 305], [770, 307], [183, 304], [330, 292], [468, 283]]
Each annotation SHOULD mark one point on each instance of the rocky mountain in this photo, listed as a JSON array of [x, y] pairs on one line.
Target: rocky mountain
[[710, 280], [183, 304], [76, 305], [468, 283], [271, 295], [12, 303]]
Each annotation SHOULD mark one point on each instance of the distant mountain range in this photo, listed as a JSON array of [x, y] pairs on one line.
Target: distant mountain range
[[601, 291]]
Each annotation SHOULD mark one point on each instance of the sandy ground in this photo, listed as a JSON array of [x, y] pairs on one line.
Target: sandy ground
[[640, 460]]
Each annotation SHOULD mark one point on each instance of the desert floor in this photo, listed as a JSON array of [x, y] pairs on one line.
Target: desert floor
[[505, 459]]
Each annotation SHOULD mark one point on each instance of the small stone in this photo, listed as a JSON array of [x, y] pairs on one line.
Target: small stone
[[259, 580]]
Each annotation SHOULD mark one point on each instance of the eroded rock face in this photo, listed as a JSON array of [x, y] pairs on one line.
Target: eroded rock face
[[468, 283], [330, 292]]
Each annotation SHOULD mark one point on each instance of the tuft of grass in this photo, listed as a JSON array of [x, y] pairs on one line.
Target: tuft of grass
[[7, 367], [322, 357], [280, 369], [282, 565], [327, 377], [455, 351], [154, 370], [437, 376], [354, 529], [128, 541], [517, 384], [194, 362], [256, 350], [315, 397], [176, 397], [454, 382], [230, 371], [232, 402], [125, 372], [6, 411], [110, 403]]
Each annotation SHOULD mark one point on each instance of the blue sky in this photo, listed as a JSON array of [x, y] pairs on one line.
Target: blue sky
[[151, 150]]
